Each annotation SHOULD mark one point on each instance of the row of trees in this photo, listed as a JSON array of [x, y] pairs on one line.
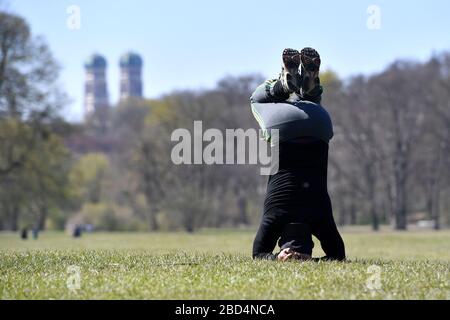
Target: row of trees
[[389, 158], [390, 155]]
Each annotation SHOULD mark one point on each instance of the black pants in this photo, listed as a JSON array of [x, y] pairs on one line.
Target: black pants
[[297, 193]]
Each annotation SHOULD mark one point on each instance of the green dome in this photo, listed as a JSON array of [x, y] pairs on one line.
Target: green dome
[[130, 59], [95, 61]]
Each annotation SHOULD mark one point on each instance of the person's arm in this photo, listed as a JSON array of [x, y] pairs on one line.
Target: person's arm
[[331, 242], [267, 236], [265, 242]]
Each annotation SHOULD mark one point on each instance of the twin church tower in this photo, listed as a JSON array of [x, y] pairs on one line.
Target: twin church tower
[[96, 97]]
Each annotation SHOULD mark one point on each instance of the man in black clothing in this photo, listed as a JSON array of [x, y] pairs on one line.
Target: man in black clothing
[[297, 204]]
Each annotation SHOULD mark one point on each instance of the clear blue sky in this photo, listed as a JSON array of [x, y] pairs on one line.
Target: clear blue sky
[[192, 44]]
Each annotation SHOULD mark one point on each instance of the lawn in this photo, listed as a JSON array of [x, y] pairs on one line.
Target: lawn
[[216, 264]]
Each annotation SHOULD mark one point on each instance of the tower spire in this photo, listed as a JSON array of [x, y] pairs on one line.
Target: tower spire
[[96, 98], [130, 75]]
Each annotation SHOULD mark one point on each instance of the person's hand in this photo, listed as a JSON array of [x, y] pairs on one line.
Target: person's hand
[[285, 254]]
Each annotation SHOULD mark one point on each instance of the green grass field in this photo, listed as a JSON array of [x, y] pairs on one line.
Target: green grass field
[[216, 264]]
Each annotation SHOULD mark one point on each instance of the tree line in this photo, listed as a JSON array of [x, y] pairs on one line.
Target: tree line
[[389, 157]]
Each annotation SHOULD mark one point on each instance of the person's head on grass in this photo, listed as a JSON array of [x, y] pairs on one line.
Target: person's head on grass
[[295, 242]]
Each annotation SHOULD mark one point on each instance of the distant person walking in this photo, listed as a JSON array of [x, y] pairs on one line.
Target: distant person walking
[[24, 234], [77, 231], [297, 204], [35, 233]]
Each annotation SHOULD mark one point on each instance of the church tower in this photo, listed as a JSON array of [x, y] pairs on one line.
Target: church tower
[[130, 76], [95, 91]]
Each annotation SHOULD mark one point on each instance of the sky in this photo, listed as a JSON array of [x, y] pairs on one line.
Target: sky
[[193, 44]]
